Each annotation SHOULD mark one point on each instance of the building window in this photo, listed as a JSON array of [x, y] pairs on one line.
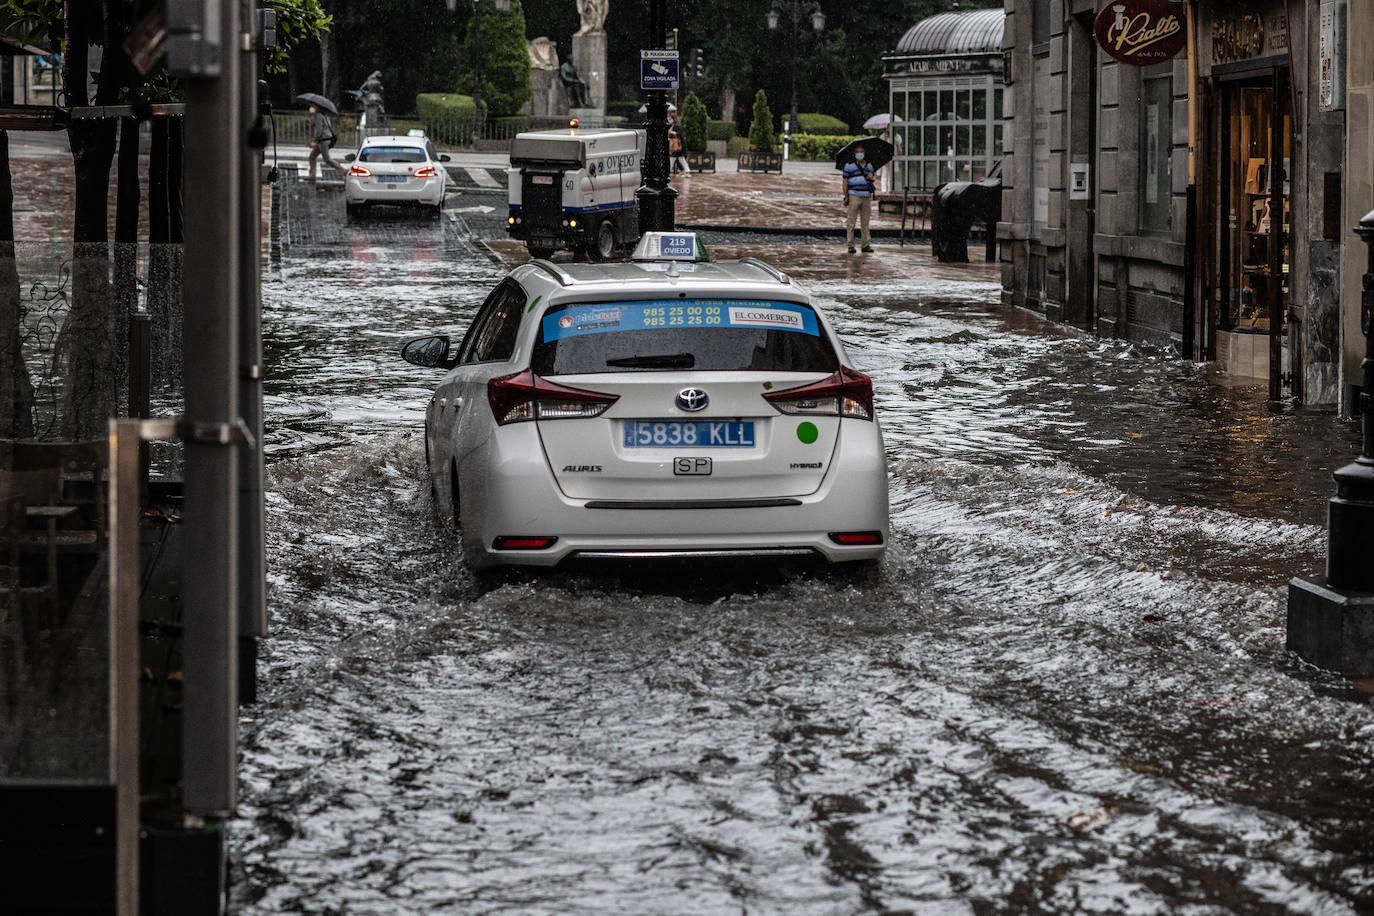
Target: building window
[[1040, 25], [1156, 146]]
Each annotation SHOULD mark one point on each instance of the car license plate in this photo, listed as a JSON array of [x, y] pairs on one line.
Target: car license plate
[[692, 467], [542, 179], [698, 433], [388, 178]]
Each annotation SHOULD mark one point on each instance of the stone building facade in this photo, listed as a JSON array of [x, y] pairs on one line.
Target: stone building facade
[[1196, 204]]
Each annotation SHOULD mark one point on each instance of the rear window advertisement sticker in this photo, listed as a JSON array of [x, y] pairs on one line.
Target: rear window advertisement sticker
[[679, 313]]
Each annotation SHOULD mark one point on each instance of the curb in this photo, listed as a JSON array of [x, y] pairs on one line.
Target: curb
[[914, 235]]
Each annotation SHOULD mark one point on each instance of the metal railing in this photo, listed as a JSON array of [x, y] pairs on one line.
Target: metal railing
[[297, 128]]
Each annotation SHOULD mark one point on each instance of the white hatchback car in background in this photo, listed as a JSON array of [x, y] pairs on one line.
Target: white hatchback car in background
[[405, 171], [653, 408]]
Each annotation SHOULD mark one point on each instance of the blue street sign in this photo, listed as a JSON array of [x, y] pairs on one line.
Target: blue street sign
[[658, 70]]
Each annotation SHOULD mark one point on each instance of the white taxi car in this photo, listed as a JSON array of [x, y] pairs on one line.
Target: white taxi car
[[405, 171], [664, 407]]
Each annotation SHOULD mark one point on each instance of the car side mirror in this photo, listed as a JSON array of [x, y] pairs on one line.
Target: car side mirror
[[350, 157], [429, 352], [445, 157]]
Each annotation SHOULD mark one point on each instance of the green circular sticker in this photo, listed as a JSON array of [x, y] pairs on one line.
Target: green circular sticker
[[807, 432]]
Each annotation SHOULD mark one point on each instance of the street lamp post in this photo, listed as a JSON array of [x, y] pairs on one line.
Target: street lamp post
[[818, 25], [657, 198], [502, 6], [1331, 619]]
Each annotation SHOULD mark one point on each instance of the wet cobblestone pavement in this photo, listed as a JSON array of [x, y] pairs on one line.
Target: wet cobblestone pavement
[[1065, 690]]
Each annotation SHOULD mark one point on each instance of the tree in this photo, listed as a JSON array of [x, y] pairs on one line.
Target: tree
[[694, 122], [505, 60], [95, 334], [425, 56], [839, 72], [761, 136]]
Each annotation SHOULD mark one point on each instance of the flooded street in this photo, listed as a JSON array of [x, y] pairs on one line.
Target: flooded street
[[1064, 690]]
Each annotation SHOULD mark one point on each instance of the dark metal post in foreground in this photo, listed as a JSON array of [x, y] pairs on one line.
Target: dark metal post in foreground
[[252, 509], [210, 297], [1331, 619], [657, 200]]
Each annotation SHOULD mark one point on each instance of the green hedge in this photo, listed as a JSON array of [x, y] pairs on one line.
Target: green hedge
[[817, 148], [736, 145], [720, 130], [821, 124], [447, 114]]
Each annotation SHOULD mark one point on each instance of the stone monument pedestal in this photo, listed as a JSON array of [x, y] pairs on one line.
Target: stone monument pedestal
[[589, 57], [547, 98]]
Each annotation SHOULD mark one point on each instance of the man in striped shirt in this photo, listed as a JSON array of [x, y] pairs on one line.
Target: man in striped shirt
[[858, 198]]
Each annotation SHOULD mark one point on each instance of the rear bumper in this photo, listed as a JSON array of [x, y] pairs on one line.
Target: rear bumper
[[543, 235], [426, 193], [522, 499]]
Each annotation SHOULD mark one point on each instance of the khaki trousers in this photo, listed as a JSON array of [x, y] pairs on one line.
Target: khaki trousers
[[860, 208]]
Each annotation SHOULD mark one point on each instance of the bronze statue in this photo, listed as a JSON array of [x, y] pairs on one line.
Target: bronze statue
[[576, 87]]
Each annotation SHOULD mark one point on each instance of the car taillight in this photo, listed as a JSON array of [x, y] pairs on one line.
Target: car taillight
[[846, 393], [522, 542], [426, 171], [526, 396], [359, 171], [856, 538]]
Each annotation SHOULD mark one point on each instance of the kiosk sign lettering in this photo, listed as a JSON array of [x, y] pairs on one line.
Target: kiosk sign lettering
[[1141, 32]]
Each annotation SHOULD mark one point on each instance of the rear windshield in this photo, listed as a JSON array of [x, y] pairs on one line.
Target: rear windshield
[[391, 154], [668, 334]]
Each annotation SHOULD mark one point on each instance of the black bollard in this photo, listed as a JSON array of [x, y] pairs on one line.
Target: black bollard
[[1331, 618]]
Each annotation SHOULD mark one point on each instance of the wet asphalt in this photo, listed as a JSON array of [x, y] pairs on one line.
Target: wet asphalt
[[1064, 690]]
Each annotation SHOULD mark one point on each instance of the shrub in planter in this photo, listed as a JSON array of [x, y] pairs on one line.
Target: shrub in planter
[[693, 114], [761, 136]]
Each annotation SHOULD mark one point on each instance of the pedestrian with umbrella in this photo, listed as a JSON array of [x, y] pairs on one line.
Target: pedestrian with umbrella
[[322, 131], [858, 161], [887, 125]]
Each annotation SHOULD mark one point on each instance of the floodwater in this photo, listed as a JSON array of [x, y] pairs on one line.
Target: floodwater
[[1064, 690]]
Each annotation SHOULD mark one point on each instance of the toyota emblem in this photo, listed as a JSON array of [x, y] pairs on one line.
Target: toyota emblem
[[692, 399]]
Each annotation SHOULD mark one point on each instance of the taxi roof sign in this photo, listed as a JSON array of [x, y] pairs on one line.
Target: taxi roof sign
[[670, 246]]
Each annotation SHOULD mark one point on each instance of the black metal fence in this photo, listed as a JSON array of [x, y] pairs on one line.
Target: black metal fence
[[297, 128]]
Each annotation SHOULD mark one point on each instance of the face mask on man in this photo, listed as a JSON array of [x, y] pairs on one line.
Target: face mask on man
[[858, 157]]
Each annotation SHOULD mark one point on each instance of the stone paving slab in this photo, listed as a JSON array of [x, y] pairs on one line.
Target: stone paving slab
[[808, 199]]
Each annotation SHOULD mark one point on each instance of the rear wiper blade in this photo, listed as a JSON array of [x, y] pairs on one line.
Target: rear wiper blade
[[657, 361]]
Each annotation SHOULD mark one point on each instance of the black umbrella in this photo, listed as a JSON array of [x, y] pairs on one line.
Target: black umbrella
[[877, 152], [315, 98]]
